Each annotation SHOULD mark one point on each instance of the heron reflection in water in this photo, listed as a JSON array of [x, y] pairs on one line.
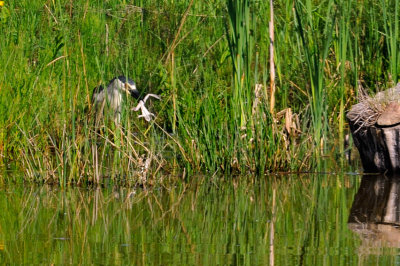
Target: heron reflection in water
[[113, 96]]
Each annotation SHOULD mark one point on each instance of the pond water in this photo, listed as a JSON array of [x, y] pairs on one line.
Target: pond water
[[286, 220]]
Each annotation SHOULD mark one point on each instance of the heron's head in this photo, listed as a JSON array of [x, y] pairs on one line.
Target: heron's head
[[128, 86]]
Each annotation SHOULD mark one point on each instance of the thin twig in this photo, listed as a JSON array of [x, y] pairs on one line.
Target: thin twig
[[48, 9], [106, 39], [84, 71], [55, 60]]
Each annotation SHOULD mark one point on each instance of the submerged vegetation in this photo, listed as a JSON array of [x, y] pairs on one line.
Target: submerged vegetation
[[209, 61]]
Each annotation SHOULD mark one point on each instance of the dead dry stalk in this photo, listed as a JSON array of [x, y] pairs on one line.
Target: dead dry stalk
[[271, 58], [174, 42]]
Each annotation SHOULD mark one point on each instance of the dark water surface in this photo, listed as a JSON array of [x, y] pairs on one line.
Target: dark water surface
[[288, 220]]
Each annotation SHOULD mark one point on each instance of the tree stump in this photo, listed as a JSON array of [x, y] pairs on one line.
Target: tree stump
[[375, 127]]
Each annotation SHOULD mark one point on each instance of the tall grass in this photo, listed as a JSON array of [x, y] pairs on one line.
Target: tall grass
[[241, 42], [341, 46], [241, 45], [208, 61], [316, 44], [391, 30]]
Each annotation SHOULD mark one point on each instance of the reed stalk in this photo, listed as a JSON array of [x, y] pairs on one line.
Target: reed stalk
[[240, 44], [271, 58], [391, 30], [341, 43], [315, 46]]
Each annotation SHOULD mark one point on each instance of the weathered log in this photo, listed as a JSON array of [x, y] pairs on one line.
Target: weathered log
[[375, 127]]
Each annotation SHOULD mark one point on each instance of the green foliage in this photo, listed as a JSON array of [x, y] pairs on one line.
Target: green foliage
[[315, 44], [211, 69], [391, 30]]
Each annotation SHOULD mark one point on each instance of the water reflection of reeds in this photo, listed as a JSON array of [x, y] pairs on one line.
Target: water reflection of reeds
[[234, 222]]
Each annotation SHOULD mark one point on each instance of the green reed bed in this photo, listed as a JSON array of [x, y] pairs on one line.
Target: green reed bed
[[341, 47], [315, 45], [209, 61]]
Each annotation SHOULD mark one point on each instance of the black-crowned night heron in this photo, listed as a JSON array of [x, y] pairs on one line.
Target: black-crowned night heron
[[113, 96]]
